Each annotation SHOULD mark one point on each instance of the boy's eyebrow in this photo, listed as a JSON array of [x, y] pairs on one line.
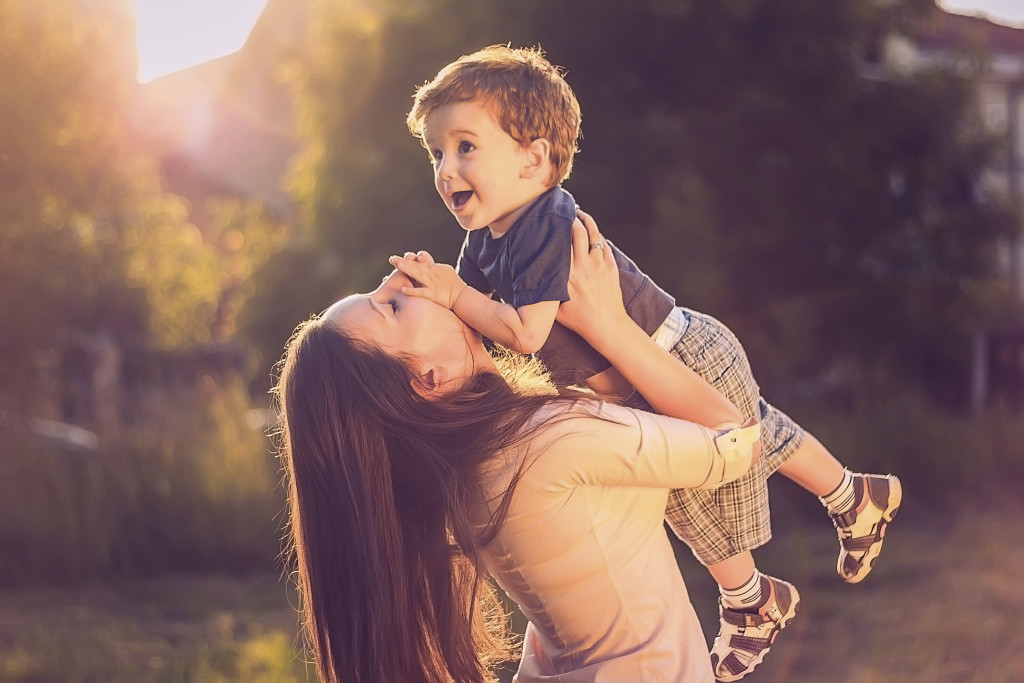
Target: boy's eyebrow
[[460, 131]]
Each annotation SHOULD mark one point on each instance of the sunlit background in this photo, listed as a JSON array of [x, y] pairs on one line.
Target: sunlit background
[[176, 34], [182, 182], [1007, 11]]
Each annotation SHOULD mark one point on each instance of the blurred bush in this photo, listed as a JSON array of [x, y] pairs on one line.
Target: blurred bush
[[197, 489], [194, 490], [934, 450]]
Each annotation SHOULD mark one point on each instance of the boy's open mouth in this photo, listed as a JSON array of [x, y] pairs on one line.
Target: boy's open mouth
[[460, 198]]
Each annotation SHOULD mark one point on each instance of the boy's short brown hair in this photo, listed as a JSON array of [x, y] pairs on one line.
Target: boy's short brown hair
[[526, 94]]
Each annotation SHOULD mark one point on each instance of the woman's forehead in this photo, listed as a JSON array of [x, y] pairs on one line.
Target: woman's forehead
[[336, 311]]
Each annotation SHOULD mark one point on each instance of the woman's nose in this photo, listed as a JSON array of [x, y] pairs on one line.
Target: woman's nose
[[394, 282], [388, 282]]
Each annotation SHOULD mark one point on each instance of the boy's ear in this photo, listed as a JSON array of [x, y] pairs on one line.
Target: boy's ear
[[536, 159]]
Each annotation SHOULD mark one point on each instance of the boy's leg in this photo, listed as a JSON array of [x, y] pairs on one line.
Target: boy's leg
[[736, 517], [861, 506], [733, 571], [753, 608], [813, 467], [722, 526]]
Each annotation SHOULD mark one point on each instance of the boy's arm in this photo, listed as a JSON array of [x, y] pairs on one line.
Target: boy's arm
[[596, 313], [523, 329]]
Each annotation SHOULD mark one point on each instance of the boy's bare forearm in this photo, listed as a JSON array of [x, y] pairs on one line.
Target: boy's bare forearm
[[524, 329], [492, 319], [501, 322]]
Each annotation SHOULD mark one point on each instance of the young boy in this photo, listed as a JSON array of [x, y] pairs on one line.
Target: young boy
[[501, 127]]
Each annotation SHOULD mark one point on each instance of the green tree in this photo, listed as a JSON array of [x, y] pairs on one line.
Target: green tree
[[362, 183], [763, 172], [742, 151], [87, 238]]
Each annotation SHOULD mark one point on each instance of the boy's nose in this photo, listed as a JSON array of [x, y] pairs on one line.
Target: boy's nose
[[446, 170]]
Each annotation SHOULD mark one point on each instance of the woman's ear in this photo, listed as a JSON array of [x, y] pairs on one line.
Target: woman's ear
[[432, 381], [536, 159]]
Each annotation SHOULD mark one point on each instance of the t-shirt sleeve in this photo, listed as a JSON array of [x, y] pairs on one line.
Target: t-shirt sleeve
[[539, 261], [469, 270], [611, 445]]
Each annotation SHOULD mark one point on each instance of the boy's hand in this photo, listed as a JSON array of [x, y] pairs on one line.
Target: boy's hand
[[435, 281]]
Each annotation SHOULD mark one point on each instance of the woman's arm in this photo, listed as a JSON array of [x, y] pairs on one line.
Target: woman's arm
[[595, 312], [627, 447]]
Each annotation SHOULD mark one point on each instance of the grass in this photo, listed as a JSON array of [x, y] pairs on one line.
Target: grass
[[168, 630], [941, 607]]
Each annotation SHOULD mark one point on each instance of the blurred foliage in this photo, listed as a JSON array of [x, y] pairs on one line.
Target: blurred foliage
[[87, 239], [245, 235], [749, 155], [193, 490], [746, 154]]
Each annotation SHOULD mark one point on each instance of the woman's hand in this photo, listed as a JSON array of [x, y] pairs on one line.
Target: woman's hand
[[596, 313], [435, 281], [595, 297]]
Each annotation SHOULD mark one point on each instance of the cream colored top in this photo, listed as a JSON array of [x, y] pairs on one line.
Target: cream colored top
[[585, 555]]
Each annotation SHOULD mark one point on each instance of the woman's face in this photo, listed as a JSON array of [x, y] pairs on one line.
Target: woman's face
[[413, 326]]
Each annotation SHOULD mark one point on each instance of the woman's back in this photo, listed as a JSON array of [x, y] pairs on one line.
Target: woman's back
[[584, 554]]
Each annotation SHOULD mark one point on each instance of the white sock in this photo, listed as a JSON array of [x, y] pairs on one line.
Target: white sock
[[843, 497], [744, 596]]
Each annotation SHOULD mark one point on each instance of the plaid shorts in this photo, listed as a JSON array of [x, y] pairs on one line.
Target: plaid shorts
[[726, 521]]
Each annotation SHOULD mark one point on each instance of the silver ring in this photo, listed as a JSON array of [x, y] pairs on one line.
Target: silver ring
[[597, 245]]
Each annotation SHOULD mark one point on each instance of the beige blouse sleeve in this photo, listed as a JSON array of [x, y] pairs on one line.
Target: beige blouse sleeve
[[609, 445]]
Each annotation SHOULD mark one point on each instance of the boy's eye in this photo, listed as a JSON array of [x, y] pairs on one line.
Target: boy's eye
[[465, 148], [435, 156], [393, 303]]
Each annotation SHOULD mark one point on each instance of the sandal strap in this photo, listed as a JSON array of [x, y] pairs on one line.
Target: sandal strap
[[733, 664], [845, 519], [752, 645], [861, 542], [745, 619]]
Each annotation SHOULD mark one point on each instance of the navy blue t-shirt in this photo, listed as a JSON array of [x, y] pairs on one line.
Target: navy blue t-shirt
[[530, 264]]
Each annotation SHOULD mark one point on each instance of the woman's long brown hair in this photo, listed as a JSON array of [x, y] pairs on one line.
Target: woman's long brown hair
[[380, 484]]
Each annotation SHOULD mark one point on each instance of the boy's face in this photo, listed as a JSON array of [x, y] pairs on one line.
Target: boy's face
[[478, 167]]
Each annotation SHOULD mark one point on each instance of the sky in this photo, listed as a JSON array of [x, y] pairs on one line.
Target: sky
[[177, 34], [1010, 12]]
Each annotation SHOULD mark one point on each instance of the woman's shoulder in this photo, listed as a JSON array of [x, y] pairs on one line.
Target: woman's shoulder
[[557, 419]]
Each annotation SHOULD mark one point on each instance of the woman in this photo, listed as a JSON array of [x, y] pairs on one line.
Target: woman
[[417, 463]]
